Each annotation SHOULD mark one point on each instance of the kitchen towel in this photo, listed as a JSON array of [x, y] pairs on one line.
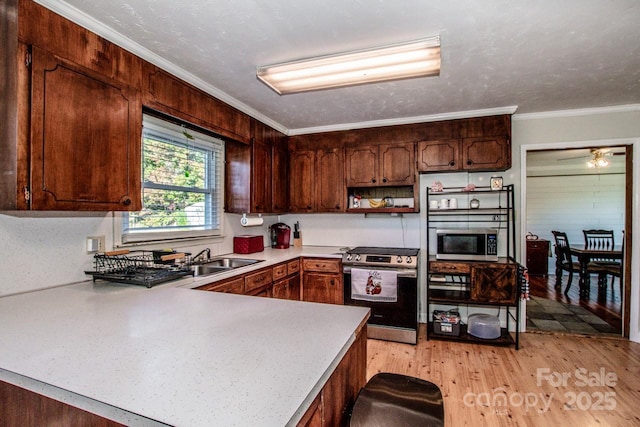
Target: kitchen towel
[[374, 285]]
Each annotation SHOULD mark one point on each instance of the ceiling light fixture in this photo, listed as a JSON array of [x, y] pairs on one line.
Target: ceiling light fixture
[[597, 161], [418, 58]]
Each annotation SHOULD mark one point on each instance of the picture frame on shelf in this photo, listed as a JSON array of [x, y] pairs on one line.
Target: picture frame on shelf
[[496, 183]]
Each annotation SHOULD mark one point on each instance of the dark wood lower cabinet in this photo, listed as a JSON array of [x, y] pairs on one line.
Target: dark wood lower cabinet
[[23, 408], [331, 408], [322, 280]]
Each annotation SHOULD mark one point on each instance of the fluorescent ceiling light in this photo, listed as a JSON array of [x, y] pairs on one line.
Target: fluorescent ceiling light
[[418, 58]]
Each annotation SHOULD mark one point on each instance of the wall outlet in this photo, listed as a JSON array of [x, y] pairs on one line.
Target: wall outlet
[[95, 244]]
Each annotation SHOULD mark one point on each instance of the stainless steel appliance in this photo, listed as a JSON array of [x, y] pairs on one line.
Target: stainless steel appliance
[[280, 235], [473, 244], [390, 320]]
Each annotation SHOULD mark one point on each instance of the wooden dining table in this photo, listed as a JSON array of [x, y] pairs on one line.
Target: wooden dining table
[[585, 256]]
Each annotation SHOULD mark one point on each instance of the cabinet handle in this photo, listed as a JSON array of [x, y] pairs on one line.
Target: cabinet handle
[[373, 180], [384, 179], [309, 207], [337, 206], [126, 201], [452, 163], [469, 162]]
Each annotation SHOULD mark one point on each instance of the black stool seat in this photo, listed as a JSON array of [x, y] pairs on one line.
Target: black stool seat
[[394, 400]]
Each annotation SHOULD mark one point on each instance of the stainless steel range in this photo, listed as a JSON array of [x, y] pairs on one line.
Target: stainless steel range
[[386, 281]]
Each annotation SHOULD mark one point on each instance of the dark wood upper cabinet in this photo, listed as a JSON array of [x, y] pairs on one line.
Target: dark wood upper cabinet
[[168, 94], [302, 188], [362, 166], [316, 180], [491, 153], [330, 188], [476, 144], [486, 153], [439, 155], [380, 165], [256, 175], [397, 164], [280, 176], [85, 138], [261, 172]]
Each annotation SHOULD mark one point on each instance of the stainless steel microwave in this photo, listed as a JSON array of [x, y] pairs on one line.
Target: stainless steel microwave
[[475, 244]]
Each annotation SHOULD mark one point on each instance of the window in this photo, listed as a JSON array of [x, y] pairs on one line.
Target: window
[[181, 184]]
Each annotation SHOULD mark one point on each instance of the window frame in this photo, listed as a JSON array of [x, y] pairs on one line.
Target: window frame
[[173, 129]]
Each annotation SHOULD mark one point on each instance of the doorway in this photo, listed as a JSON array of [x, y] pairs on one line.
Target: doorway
[[564, 194]]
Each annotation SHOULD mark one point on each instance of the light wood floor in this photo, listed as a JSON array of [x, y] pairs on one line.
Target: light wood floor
[[473, 379]]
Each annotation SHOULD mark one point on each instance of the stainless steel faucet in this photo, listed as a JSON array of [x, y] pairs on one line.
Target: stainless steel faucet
[[202, 252]]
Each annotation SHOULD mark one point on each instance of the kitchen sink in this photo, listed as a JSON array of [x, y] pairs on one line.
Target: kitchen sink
[[219, 265]]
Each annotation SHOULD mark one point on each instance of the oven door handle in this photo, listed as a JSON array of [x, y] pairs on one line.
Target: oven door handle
[[402, 272]]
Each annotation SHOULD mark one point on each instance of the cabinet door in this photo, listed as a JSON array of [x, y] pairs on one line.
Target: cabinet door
[[279, 181], [330, 180], [288, 288], [260, 177], [361, 166], [397, 164], [302, 181], [322, 287], [438, 156], [293, 291], [494, 283], [486, 153], [85, 139]]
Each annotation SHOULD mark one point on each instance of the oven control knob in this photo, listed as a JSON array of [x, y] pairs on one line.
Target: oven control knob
[[349, 257], [357, 257], [409, 260], [399, 260]]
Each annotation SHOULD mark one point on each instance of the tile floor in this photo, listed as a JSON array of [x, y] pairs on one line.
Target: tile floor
[[544, 315]]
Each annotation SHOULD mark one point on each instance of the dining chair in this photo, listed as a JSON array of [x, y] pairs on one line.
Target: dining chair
[[564, 262], [603, 240]]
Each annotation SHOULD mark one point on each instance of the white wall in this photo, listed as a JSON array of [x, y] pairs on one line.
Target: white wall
[[575, 203], [615, 126]]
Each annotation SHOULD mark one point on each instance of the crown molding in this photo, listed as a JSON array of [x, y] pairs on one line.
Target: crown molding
[[407, 120], [80, 18], [628, 108]]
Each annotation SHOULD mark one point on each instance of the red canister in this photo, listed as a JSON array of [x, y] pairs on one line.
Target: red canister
[[248, 244]]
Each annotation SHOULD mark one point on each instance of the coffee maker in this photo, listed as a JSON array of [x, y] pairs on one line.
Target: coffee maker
[[280, 235]]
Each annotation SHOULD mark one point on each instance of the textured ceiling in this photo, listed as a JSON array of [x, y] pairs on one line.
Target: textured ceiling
[[538, 56]]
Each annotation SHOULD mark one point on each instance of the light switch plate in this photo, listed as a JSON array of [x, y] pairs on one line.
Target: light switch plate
[[95, 244]]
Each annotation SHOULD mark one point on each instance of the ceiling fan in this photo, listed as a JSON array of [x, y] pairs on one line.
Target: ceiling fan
[[597, 158]]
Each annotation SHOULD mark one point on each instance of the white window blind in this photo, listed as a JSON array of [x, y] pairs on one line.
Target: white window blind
[[181, 184]]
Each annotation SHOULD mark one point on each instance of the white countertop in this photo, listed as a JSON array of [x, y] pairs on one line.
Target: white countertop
[[174, 355]]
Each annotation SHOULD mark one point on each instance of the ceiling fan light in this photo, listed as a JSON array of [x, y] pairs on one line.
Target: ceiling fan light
[[602, 162], [419, 58]]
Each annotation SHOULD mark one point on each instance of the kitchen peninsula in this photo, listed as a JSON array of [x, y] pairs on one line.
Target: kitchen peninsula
[[171, 355]]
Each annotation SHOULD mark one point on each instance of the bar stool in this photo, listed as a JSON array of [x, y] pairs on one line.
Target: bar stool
[[394, 400]]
